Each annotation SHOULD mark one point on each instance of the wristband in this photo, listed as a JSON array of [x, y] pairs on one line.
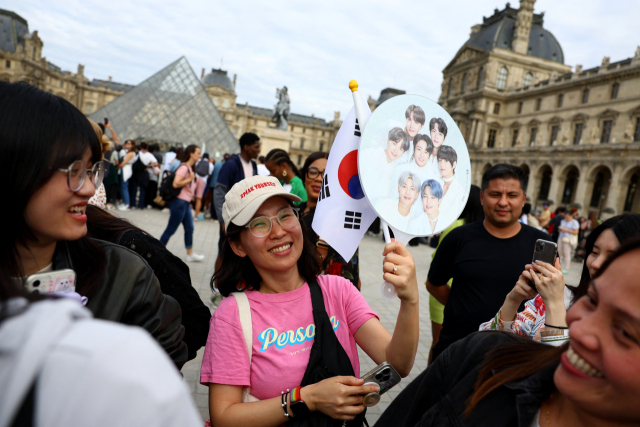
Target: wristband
[[283, 399], [297, 405], [555, 327]]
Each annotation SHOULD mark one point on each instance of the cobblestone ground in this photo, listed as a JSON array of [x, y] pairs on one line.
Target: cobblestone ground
[[205, 242]]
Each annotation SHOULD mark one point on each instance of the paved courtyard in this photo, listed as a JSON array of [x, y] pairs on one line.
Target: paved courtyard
[[205, 242]]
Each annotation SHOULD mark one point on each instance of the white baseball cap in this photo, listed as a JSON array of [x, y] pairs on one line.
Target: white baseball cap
[[245, 198]]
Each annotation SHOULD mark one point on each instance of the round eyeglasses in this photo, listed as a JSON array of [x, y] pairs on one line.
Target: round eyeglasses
[[313, 173], [77, 174], [261, 226]]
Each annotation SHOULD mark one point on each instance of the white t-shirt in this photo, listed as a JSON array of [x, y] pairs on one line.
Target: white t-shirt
[[247, 167], [388, 210], [424, 173], [452, 201], [262, 170], [569, 225], [375, 168], [433, 163], [168, 158], [421, 224], [146, 158]]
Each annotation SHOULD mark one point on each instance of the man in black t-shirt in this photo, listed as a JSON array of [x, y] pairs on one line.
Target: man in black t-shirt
[[485, 258]]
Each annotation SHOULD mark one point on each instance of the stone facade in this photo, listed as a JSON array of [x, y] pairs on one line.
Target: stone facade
[[575, 132], [305, 134], [21, 60]]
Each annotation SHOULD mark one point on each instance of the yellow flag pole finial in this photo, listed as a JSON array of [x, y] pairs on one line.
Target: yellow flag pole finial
[[353, 85]]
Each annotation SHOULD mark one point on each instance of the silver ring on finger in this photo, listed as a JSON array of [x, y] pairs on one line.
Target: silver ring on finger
[[395, 269]]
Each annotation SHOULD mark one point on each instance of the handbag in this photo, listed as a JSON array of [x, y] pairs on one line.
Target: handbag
[[573, 240], [158, 200]]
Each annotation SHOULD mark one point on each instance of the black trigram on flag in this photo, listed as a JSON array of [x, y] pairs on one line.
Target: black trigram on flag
[[357, 131], [352, 220], [324, 191]]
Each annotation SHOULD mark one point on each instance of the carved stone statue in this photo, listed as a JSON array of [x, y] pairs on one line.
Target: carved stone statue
[[281, 109]]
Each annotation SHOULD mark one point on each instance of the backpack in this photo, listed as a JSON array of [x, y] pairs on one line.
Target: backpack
[[202, 168], [138, 166], [166, 190]]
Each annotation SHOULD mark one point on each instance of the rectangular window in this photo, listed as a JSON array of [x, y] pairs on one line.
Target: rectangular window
[[89, 108], [560, 100], [514, 140], [538, 104], [636, 135], [302, 143], [299, 159], [7, 64], [304, 130], [554, 135], [255, 122], [585, 96], [322, 145], [614, 90], [496, 108], [61, 83], [577, 136], [520, 107], [606, 131], [291, 128], [322, 135], [492, 138], [534, 133]]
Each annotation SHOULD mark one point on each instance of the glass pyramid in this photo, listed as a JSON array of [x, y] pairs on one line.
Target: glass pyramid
[[170, 108]]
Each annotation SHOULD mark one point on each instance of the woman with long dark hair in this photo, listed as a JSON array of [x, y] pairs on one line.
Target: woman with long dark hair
[[547, 303], [280, 165], [273, 340], [180, 206], [498, 379], [47, 220]]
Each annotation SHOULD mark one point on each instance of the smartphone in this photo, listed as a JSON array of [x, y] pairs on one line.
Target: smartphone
[[51, 281], [106, 121], [544, 251], [385, 377]]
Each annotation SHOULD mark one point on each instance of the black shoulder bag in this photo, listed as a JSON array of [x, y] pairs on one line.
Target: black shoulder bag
[[328, 359]]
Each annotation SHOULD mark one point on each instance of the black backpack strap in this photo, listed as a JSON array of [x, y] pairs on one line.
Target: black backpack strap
[[25, 415]]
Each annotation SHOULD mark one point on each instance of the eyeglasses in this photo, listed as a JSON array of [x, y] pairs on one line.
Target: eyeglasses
[[77, 174], [312, 173], [261, 226]]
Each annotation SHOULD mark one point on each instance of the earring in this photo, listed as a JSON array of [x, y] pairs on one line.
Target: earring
[[284, 173]]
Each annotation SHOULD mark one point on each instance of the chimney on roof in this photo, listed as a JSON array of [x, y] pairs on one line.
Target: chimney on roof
[[202, 74], [475, 29], [520, 42], [110, 78], [235, 76], [80, 69]]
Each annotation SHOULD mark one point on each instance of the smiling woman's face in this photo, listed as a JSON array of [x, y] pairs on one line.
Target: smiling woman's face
[[313, 186], [55, 213], [277, 252], [600, 373]]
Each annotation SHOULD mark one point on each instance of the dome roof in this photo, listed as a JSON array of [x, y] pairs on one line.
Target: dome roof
[[497, 31], [218, 77]]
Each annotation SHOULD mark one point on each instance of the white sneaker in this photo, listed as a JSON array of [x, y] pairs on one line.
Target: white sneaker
[[165, 210], [194, 257], [124, 208]]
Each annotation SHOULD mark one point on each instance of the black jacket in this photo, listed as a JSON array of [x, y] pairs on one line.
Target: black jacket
[[438, 396], [175, 281], [129, 293]]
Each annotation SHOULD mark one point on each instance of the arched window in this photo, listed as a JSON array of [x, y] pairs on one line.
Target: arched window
[[450, 87], [480, 77], [464, 82], [528, 79], [501, 81]]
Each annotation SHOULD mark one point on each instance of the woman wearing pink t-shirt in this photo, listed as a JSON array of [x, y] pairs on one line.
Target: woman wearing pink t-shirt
[[180, 207], [267, 257]]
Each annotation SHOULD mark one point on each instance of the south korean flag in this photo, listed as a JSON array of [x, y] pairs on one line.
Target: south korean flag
[[343, 213]]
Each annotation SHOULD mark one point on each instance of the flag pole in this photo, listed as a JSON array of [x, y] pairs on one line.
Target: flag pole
[[388, 290]]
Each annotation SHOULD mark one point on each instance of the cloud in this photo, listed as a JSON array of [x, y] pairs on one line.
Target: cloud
[[314, 48]]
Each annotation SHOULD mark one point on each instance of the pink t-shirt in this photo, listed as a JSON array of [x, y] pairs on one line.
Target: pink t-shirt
[[188, 190], [283, 331]]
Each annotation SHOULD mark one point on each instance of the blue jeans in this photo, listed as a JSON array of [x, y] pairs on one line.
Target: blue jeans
[[124, 189], [134, 189], [180, 213]]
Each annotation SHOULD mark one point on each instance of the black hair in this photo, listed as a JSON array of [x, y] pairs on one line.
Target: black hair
[[248, 138], [623, 226], [237, 272], [205, 156], [186, 154], [279, 156], [473, 210], [422, 137], [526, 209], [172, 149], [261, 159], [47, 132], [312, 158], [144, 145], [105, 226], [560, 210], [154, 147], [396, 134], [442, 126], [418, 114], [504, 171], [446, 152]]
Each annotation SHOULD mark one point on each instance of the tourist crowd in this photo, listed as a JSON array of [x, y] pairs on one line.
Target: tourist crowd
[[97, 317]]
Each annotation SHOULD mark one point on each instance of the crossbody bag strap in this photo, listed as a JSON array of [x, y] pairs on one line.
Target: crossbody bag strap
[[244, 311]]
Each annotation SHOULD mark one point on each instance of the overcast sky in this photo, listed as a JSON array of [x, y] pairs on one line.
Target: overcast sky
[[314, 48]]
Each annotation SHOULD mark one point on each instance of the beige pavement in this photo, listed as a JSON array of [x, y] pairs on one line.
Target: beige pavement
[[205, 241]]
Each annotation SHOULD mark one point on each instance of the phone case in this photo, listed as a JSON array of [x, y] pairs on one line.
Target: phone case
[[545, 251], [384, 375], [51, 281]]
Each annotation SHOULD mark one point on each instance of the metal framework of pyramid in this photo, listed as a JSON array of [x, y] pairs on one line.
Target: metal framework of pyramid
[[173, 107]]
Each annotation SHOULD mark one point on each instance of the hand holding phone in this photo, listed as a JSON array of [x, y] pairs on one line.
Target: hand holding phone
[[545, 251], [51, 281], [385, 377]]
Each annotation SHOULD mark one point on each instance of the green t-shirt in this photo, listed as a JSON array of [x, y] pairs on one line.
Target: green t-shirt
[[297, 188]]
